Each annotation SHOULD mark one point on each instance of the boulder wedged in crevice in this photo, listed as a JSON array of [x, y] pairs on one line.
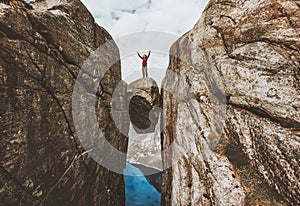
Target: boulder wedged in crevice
[[144, 105]]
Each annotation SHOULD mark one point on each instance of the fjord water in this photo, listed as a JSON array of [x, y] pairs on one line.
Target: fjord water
[[138, 191]]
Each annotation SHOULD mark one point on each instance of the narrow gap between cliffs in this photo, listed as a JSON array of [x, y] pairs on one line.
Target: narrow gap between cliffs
[[143, 172]]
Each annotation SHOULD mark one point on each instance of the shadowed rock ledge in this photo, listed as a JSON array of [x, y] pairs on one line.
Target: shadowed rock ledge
[[249, 52], [42, 47]]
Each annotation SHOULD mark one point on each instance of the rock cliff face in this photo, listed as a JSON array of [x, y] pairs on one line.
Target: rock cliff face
[[43, 46], [235, 132]]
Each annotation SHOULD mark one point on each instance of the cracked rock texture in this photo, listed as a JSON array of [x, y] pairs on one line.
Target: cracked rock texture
[[43, 45], [231, 101]]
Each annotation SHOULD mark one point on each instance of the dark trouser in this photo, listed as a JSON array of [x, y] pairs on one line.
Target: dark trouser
[[144, 70]]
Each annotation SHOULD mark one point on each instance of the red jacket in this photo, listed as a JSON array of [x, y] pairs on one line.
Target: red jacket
[[144, 58]]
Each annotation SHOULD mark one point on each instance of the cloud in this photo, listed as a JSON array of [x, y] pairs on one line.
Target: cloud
[[121, 18], [114, 14]]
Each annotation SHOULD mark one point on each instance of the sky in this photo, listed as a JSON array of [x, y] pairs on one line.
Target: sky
[[121, 17], [142, 25]]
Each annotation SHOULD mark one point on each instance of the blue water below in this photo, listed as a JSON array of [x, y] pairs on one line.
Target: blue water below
[[138, 191]]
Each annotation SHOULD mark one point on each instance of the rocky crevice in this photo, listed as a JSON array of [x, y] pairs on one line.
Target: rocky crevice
[[232, 118], [144, 113]]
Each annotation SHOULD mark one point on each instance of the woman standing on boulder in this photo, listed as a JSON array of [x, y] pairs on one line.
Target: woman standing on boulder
[[144, 63]]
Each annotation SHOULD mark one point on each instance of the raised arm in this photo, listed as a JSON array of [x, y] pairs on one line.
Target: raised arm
[[149, 54], [139, 55]]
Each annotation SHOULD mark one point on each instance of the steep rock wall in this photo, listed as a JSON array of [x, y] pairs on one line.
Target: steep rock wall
[[43, 46], [235, 133]]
